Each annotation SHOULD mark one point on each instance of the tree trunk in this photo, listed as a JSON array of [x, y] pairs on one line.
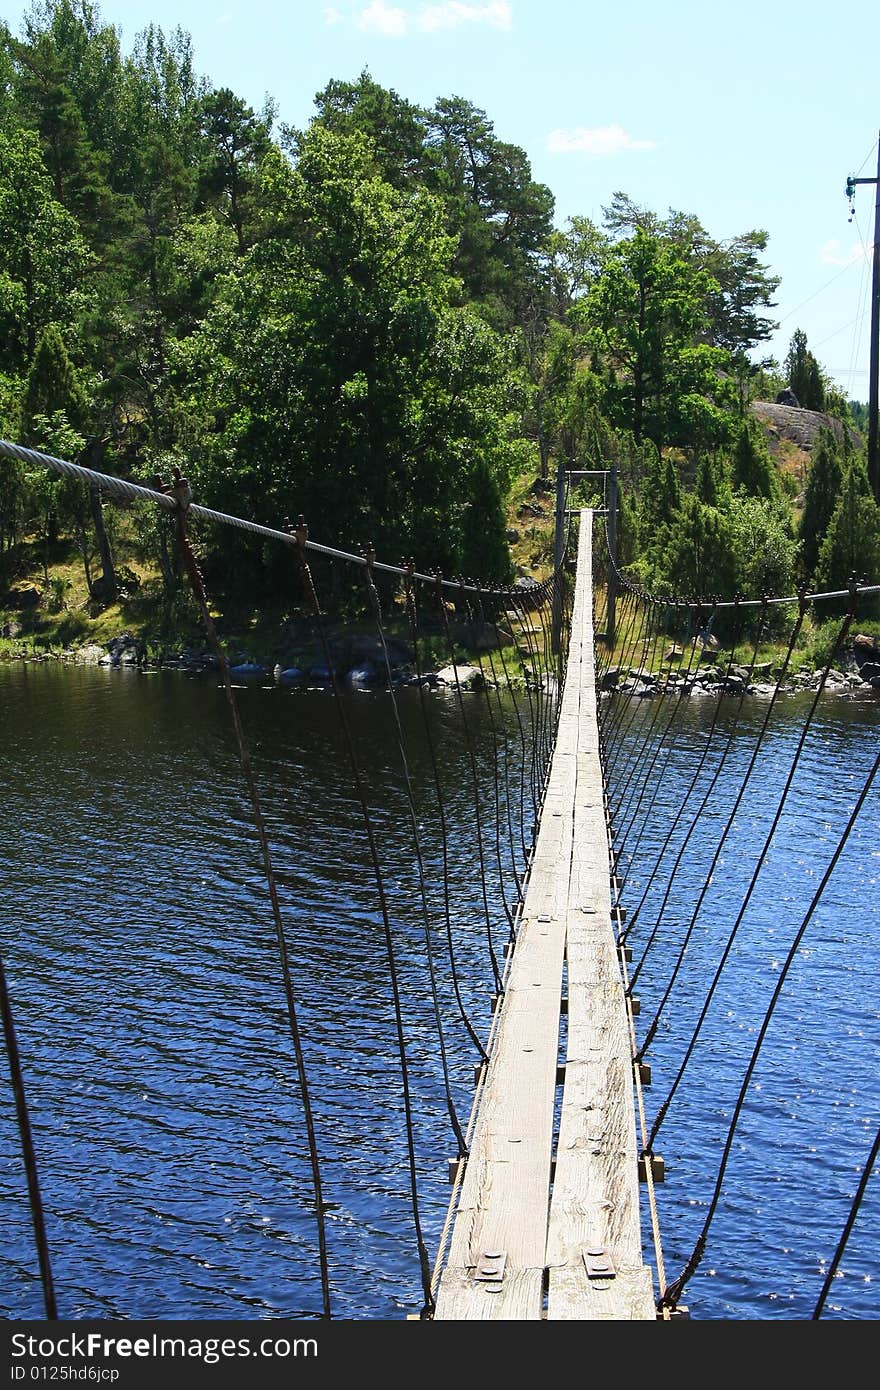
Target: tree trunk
[[166, 563], [82, 541], [104, 588]]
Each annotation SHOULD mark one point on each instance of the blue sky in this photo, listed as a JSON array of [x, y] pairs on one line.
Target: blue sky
[[749, 115]]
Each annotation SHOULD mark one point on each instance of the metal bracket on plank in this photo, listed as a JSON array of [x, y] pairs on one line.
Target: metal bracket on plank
[[598, 1264], [490, 1267]]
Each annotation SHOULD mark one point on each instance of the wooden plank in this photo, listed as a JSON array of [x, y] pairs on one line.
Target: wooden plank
[[504, 1195]]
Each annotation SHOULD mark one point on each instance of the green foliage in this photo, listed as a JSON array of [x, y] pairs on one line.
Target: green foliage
[[484, 549], [821, 645], [14, 500], [627, 530], [647, 314], [58, 589], [711, 484], [341, 382], [371, 322], [788, 484], [238, 141], [765, 548], [42, 254], [858, 415], [744, 288], [836, 403], [499, 217], [395, 129], [765, 381], [569, 421]]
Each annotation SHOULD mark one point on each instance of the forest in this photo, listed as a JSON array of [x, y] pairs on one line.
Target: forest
[[374, 323]]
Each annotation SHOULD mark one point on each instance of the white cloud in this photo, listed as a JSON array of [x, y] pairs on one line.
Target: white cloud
[[392, 21], [600, 140], [383, 19], [832, 253], [451, 13], [332, 15]]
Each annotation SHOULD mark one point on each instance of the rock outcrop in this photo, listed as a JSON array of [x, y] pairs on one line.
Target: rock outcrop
[[798, 426]]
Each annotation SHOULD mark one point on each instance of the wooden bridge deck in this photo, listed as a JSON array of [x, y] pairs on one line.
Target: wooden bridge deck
[[534, 1232]]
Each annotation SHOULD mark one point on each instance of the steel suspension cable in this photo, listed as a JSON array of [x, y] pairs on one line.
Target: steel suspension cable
[[765, 724], [300, 533], [475, 784], [657, 782], [180, 494], [477, 620], [38, 1220], [674, 1290], [831, 1272], [126, 491], [701, 762], [649, 763], [612, 712], [768, 838], [651, 1032], [508, 684], [633, 752], [412, 614], [489, 686], [524, 759], [376, 607], [546, 687], [526, 632], [627, 713], [539, 671]]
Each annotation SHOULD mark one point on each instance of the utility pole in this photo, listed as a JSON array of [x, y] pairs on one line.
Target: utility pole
[[874, 371]]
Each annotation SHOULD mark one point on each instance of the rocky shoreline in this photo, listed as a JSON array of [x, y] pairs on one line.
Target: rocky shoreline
[[861, 673], [359, 662]]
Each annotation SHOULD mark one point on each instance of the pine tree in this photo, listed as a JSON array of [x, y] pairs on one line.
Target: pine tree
[[851, 545], [710, 485], [55, 408], [820, 497], [661, 495], [804, 373], [51, 386], [699, 558], [753, 470], [484, 551]]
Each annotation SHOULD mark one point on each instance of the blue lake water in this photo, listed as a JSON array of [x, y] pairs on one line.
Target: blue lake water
[[161, 1078]]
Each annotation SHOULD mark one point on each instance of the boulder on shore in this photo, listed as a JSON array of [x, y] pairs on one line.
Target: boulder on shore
[[126, 650], [469, 677]]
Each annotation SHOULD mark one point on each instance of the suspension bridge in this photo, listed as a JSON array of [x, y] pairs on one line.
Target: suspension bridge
[[553, 1211], [534, 1236]]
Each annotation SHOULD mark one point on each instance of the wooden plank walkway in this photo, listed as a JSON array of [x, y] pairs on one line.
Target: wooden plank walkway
[[531, 1234]]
